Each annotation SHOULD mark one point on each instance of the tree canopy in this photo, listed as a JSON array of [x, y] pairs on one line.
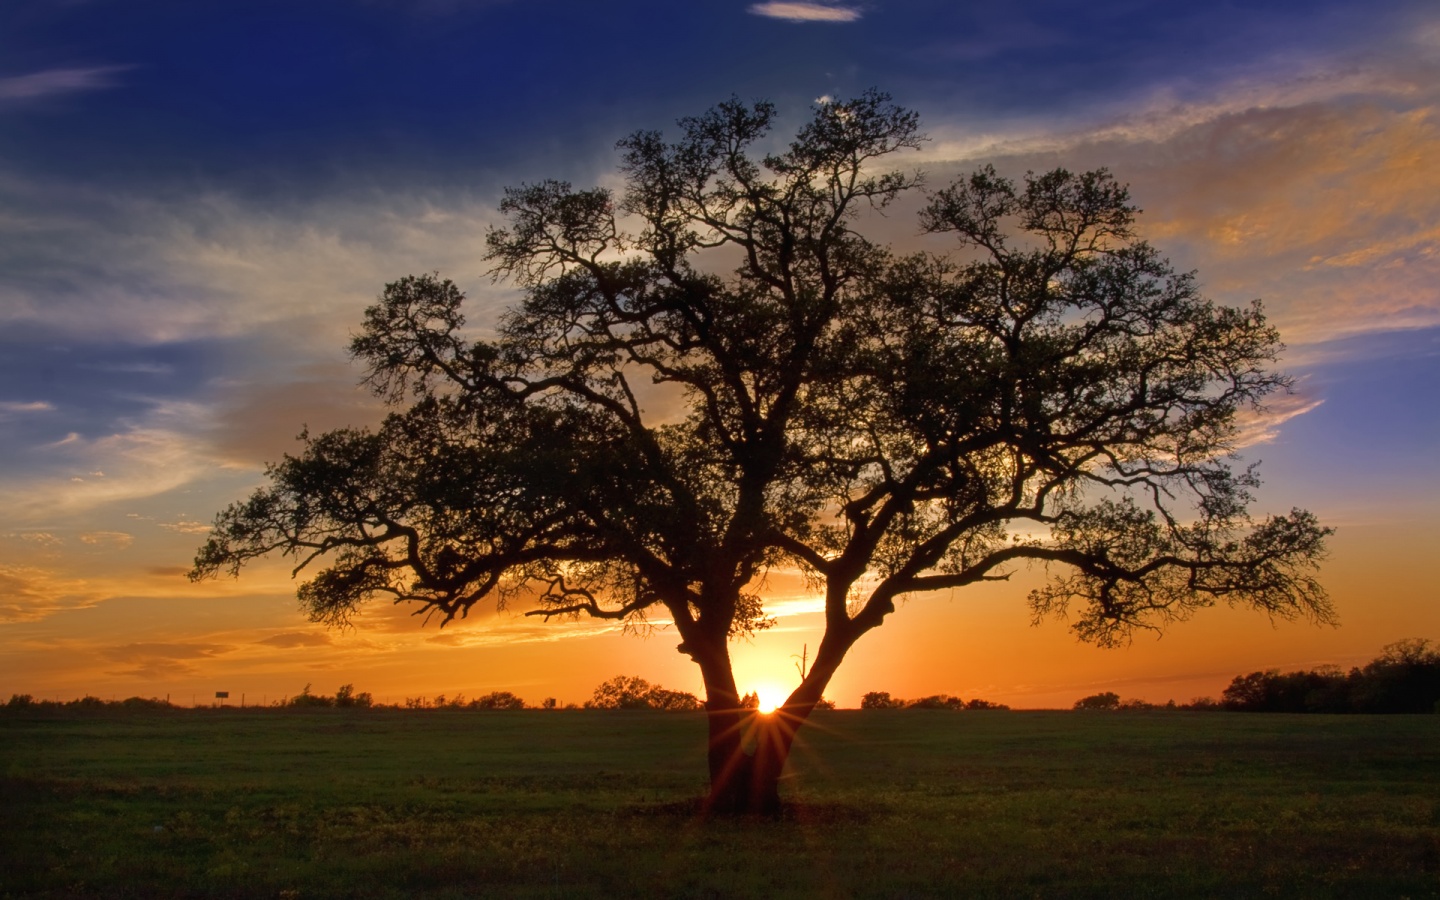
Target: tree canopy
[[714, 373]]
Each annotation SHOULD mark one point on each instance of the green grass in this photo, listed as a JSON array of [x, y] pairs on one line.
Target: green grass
[[375, 803]]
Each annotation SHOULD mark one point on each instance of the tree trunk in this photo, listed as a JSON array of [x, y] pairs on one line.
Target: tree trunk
[[748, 749]]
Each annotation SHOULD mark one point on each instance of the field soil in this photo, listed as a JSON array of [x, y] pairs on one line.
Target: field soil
[[880, 803]]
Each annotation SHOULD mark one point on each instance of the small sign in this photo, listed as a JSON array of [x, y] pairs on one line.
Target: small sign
[[222, 695]]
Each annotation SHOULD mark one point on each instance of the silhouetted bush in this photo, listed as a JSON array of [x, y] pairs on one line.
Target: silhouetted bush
[[306, 699], [88, 702], [936, 701], [347, 697], [146, 703], [497, 700], [1102, 700], [631, 692], [880, 700], [883, 700]]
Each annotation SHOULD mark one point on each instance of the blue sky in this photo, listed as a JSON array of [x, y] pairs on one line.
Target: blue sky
[[198, 199]]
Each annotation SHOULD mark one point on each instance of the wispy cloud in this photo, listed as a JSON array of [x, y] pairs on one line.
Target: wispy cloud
[[1264, 426], [162, 660], [142, 462], [290, 639], [15, 407], [37, 85], [28, 593], [117, 539], [805, 12], [1311, 190]]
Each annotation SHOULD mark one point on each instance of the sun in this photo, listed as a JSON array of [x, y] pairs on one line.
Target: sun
[[771, 697]]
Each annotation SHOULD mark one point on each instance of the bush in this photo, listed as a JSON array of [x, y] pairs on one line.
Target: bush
[[498, 700], [985, 704], [306, 699], [936, 701], [880, 700], [346, 696], [1102, 700], [632, 692]]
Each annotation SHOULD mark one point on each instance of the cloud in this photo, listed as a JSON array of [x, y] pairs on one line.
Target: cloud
[[1315, 192], [160, 267], [42, 538], [187, 526], [29, 593], [13, 407], [156, 650], [527, 631], [116, 539], [166, 452], [291, 639], [52, 82], [1264, 426], [805, 12], [159, 661]]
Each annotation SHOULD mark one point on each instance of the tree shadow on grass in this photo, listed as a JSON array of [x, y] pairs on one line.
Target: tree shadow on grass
[[797, 812]]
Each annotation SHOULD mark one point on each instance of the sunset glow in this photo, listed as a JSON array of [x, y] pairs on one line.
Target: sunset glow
[[196, 206], [771, 697]]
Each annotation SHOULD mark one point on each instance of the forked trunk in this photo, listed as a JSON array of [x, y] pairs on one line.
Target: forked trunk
[[748, 750]]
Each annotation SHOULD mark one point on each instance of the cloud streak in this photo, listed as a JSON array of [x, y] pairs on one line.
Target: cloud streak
[[53, 82], [805, 12]]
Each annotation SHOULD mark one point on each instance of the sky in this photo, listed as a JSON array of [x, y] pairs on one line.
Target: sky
[[198, 200]]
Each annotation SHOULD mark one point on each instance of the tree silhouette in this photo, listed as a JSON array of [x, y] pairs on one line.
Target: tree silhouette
[[648, 433], [1102, 700]]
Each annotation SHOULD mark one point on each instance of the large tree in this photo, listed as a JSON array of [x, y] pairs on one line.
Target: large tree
[[717, 374]]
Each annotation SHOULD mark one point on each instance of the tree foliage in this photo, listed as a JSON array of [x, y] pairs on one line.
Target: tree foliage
[[647, 433]]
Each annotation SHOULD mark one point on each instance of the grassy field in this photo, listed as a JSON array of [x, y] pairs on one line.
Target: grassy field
[[376, 803]]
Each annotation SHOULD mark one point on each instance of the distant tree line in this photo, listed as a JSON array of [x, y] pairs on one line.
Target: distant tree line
[[883, 700], [1404, 678], [28, 701], [620, 692], [1106, 700]]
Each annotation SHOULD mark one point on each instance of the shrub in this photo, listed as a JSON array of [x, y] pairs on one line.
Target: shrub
[[1102, 700], [880, 700], [936, 701], [497, 700], [632, 692], [985, 704]]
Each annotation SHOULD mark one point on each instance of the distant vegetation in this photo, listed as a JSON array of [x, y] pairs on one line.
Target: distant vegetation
[[631, 692], [620, 692], [1404, 678], [883, 700]]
